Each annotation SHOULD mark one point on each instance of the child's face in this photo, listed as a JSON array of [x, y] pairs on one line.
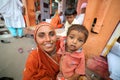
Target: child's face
[[75, 40], [70, 18]]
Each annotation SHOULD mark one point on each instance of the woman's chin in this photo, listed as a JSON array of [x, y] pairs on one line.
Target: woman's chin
[[49, 50]]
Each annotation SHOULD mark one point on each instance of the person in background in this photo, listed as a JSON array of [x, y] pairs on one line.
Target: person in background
[[56, 20], [42, 63], [72, 63], [62, 17], [12, 13], [70, 15], [81, 16], [60, 6]]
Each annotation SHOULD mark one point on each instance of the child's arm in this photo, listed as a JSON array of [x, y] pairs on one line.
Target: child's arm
[[81, 66]]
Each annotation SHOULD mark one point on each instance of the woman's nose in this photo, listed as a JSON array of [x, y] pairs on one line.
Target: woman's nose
[[47, 38]]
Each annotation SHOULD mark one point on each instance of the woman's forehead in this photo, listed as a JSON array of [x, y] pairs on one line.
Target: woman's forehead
[[45, 28]]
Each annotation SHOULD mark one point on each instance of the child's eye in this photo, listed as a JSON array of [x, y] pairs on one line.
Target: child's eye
[[71, 37], [80, 40]]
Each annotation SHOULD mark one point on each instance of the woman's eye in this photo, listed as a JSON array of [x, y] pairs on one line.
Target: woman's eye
[[80, 40], [41, 35], [52, 33]]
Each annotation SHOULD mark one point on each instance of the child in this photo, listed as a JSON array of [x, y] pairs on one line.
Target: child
[[70, 15], [72, 63], [14, 20]]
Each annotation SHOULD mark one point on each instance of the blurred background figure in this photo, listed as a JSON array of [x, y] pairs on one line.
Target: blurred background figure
[[81, 16], [56, 20], [11, 11], [70, 18], [62, 17]]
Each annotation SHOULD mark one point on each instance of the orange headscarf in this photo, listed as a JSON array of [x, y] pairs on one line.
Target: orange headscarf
[[40, 25]]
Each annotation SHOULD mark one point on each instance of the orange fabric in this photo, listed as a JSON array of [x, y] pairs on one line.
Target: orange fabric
[[30, 12], [56, 21], [40, 66]]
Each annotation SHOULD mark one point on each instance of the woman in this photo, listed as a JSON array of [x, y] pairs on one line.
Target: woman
[[42, 63]]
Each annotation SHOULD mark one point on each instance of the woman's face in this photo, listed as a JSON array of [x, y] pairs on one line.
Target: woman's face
[[46, 38]]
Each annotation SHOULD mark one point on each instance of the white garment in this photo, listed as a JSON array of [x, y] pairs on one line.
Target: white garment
[[12, 13], [62, 18], [4, 7], [67, 25], [80, 18], [60, 9]]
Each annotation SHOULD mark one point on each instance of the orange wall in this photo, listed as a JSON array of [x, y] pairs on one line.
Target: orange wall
[[96, 42]]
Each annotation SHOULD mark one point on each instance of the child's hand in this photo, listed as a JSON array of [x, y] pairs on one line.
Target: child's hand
[[82, 78]]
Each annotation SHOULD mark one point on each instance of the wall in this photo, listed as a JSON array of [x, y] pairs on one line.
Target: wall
[[96, 42]]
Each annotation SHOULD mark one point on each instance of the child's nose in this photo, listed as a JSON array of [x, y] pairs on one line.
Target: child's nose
[[75, 41]]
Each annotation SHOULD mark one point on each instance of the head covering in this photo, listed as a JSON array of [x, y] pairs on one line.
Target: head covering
[[40, 25], [83, 5]]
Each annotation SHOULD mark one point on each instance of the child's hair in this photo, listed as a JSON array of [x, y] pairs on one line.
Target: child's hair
[[70, 11], [79, 28]]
